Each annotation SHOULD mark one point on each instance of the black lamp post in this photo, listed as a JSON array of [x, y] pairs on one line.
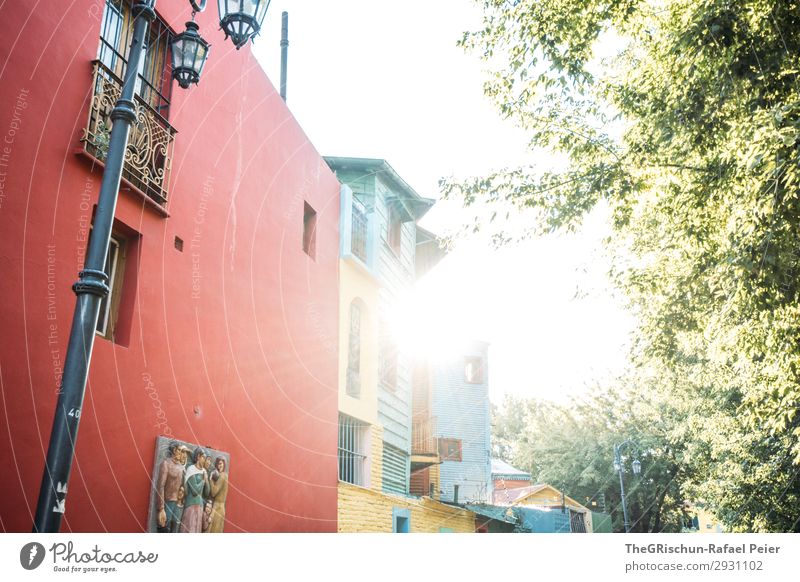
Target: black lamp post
[[637, 468], [189, 54]]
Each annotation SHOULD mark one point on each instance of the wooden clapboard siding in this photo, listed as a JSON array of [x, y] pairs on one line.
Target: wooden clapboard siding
[[376, 186]]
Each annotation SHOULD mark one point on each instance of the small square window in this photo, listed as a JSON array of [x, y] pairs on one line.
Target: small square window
[[401, 520], [309, 230], [473, 370], [116, 310], [450, 449]]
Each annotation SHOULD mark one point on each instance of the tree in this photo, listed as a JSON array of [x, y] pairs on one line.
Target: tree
[[572, 448], [690, 133]]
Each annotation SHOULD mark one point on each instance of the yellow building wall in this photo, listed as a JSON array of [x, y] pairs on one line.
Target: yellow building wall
[[549, 497], [707, 522], [356, 282], [366, 511], [376, 458]]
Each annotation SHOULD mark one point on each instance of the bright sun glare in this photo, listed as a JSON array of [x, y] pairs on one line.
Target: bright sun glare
[[426, 323]]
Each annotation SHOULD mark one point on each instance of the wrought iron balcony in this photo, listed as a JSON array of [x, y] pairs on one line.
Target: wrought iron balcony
[[148, 158]]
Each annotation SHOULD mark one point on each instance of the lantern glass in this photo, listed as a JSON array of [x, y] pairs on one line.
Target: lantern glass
[[637, 467], [616, 466], [241, 19], [189, 54]]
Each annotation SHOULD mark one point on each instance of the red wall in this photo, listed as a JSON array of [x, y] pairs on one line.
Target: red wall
[[499, 485], [247, 364]]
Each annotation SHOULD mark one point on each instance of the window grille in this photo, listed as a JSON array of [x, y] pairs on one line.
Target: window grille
[[358, 239], [148, 158], [577, 522], [352, 450], [154, 82]]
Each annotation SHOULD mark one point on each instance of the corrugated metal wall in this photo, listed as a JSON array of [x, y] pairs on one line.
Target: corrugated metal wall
[[543, 521], [462, 411], [395, 469]]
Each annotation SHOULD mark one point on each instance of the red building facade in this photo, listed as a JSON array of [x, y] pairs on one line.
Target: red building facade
[[222, 325]]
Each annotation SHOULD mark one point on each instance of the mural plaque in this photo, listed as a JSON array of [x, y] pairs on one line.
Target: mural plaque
[[189, 488]]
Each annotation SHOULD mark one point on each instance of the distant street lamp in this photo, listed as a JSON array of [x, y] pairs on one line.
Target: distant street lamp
[[637, 468], [241, 20]]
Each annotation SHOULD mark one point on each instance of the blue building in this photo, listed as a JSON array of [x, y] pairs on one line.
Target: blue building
[[460, 404]]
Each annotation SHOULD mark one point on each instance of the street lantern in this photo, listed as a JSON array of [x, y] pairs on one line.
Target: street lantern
[[189, 54], [618, 468], [241, 19]]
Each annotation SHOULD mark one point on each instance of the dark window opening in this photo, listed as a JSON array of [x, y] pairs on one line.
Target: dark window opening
[[400, 524], [450, 449], [115, 316], [473, 370], [309, 230], [109, 305]]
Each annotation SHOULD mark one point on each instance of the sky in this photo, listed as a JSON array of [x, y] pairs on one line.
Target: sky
[[385, 79]]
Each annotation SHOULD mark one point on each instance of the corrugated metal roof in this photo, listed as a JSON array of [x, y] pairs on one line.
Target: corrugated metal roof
[[517, 497], [418, 205], [495, 512], [500, 467]]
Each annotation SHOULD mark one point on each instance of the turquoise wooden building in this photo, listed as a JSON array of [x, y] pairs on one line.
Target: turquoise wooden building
[[381, 230]]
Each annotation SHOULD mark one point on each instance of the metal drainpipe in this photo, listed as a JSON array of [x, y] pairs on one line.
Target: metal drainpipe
[[284, 51], [91, 287]]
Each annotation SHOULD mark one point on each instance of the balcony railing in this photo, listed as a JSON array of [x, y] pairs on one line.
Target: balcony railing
[[358, 240], [423, 439], [148, 158]]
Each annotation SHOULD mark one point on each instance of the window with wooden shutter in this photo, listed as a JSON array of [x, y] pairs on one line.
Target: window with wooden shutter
[[450, 449]]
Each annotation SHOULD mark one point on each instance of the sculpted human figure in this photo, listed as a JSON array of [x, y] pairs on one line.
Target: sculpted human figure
[[219, 491], [170, 479], [197, 486]]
